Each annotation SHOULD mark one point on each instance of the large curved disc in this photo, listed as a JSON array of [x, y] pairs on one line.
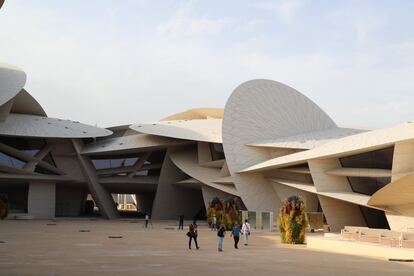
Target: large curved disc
[[24, 103], [12, 80], [208, 130], [45, 127], [260, 110]]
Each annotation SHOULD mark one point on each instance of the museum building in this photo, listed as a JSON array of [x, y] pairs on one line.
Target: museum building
[[268, 143]]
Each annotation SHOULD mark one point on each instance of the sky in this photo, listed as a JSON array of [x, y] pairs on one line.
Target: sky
[[117, 62]]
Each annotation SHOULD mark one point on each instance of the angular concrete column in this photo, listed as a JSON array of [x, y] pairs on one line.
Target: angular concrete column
[[41, 200], [170, 200], [99, 194], [338, 213]]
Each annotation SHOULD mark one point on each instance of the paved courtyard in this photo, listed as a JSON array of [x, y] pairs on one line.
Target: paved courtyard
[[83, 247]]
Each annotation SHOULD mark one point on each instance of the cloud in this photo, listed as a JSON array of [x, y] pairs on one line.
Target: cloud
[[248, 26], [184, 23], [363, 21], [286, 10], [384, 114]]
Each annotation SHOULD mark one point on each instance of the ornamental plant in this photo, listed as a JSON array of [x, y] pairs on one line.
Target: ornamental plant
[[227, 213], [4, 206], [232, 213], [215, 208], [292, 221]]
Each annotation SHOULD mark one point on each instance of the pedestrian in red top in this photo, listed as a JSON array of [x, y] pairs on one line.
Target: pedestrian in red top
[[192, 234]]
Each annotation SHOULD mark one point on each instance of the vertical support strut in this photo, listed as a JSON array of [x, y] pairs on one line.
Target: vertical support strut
[[99, 194]]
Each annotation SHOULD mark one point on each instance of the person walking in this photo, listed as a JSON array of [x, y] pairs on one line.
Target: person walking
[[192, 234], [246, 232], [146, 220], [213, 223], [220, 237], [181, 223], [235, 232]]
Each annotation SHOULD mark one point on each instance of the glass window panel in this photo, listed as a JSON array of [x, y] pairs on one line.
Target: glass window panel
[[142, 173], [217, 152], [252, 219], [266, 223], [114, 163], [28, 146], [218, 147], [5, 160], [379, 159], [9, 161], [368, 185], [31, 152], [101, 164], [130, 161], [374, 218]]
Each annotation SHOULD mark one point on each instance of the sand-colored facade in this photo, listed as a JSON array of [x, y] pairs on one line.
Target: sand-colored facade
[[268, 143]]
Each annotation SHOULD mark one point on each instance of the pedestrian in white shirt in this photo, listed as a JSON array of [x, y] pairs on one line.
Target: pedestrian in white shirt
[[246, 232], [147, 218]]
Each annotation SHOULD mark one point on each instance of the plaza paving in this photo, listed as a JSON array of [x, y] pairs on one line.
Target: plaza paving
[[83, 247]]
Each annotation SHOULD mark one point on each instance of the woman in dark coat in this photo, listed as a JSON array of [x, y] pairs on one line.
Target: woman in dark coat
[[192, 234]]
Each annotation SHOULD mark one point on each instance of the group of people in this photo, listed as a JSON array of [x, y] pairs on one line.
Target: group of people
[[221, 233]]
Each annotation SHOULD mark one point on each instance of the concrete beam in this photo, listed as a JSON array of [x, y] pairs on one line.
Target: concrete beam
[[99, 193]]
